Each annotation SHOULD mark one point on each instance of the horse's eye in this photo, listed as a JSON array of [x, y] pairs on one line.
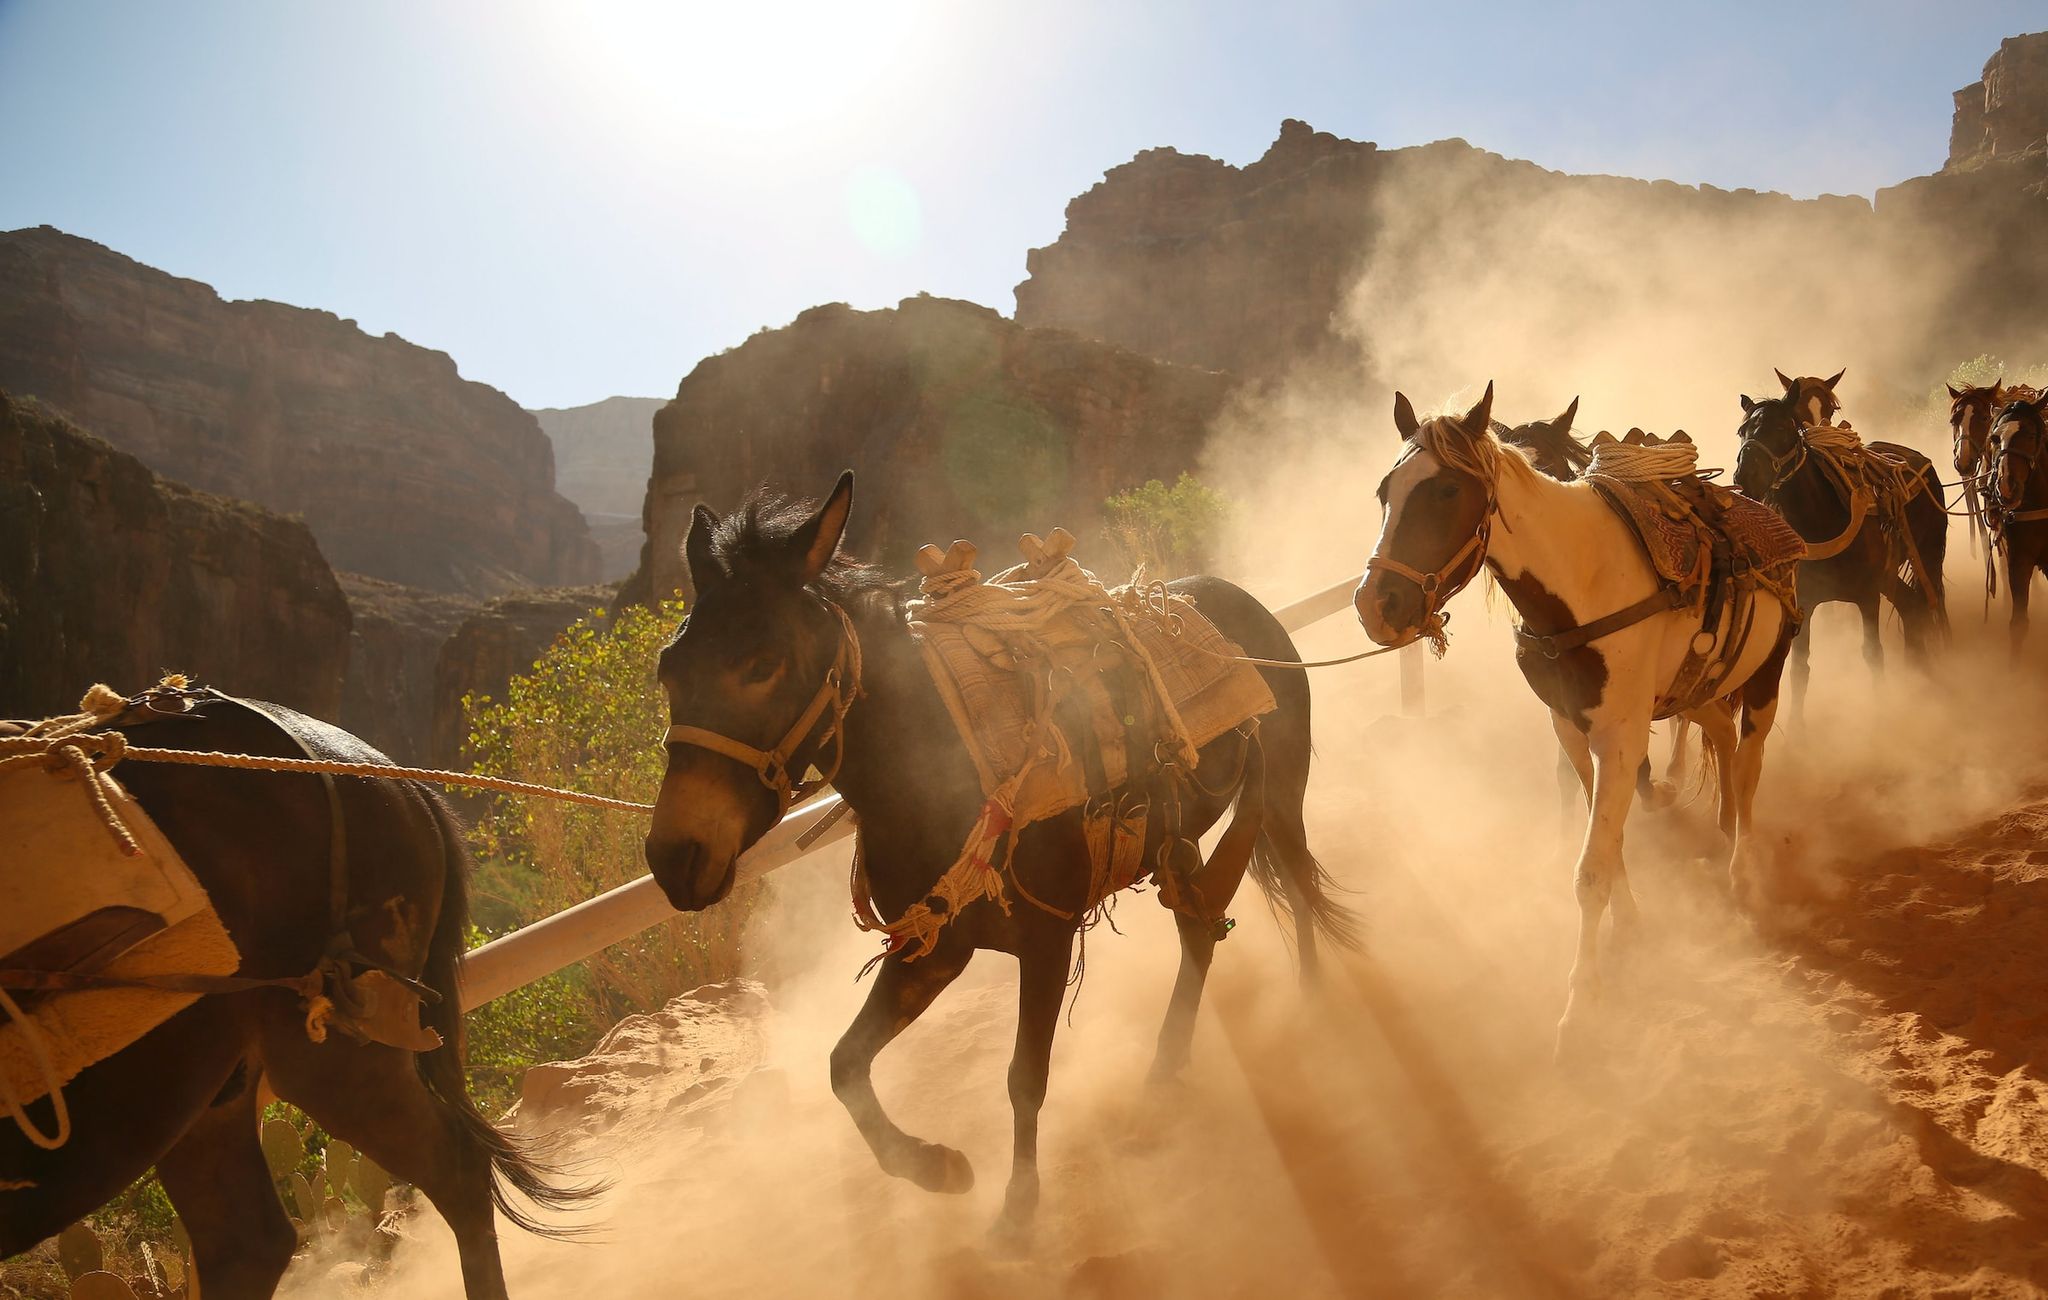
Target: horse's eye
[[758, 669], [1446, 491]]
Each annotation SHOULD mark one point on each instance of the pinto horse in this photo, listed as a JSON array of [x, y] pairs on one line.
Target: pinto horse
[[789, 639], [188, 1096], [1596, 642], [2016, 500], [1553, 450], [1777, 465]]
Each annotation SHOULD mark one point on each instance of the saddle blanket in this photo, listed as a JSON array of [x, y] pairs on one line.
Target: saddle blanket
[[1678, 521], [70, 900]]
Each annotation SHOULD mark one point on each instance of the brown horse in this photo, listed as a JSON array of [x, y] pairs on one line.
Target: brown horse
[[1972, 410], [2016, 501], [785, 637], [187, 1096]]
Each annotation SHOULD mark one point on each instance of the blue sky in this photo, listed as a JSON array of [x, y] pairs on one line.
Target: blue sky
[[582, 200]]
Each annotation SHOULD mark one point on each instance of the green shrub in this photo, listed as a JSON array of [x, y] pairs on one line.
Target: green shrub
[[589, 717], [1169, 532]]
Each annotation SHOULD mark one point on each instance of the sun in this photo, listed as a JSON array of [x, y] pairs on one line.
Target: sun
[[757, 68]]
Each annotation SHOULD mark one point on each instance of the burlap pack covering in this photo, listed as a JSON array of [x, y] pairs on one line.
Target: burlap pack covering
[[72, 900], [1050, 666]]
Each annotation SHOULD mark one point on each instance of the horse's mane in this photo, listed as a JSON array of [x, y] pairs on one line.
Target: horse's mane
[[755, 537], [1482, 454]]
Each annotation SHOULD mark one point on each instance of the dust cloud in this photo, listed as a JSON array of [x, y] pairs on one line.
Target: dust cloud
[[1836, 1093]]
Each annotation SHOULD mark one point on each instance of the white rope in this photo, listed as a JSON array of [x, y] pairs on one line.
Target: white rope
[[1833, 437], [1629, 462]]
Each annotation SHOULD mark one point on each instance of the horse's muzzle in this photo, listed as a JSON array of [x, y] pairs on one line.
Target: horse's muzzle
[[1388, 611], [687, 874]]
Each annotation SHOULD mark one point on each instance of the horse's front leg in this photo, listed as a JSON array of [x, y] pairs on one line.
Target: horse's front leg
[[1042, 965], [1759, 711], [1802, 667], [900, 994], [2019, 581], [1618, 746], [1873, 636]]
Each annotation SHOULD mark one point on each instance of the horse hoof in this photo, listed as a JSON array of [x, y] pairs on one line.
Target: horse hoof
[[1010, 1236], [1662, 795], [938, 1169]]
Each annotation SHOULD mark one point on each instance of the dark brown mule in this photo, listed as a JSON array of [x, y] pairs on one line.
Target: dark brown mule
[[1775, 465], [185, 1098], [754, 654], [2016, 501], [1550, 444]]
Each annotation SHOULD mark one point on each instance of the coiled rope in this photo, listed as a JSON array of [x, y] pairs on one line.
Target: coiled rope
[[1631, 462]]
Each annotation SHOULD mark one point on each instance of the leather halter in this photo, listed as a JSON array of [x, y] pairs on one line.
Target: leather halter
[[2008, 511], [835, 694], [1436, 591]]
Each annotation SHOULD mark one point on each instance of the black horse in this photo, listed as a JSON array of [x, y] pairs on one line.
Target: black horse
[[1777, 465], [187, 1097], [777, 613], [2016, 500]]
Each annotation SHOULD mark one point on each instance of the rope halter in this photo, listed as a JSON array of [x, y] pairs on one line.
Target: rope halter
[[1782, 468], [834, 696]]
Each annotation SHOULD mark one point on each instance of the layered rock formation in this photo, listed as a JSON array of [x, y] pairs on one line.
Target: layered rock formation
[[111, 573], [2005, 113], [1325, 251], [960, 423], [403, 469], [602, 453]]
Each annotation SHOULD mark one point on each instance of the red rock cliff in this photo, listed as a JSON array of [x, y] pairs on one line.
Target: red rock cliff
[[110, 573], [959, 423], [403, 469]]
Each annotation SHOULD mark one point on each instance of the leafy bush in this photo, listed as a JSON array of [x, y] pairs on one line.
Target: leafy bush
[[1170, 532], [589, 717], [1976, 373]]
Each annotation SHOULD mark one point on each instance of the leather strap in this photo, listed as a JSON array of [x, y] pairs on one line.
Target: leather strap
[[1551, 645], [837, 693]]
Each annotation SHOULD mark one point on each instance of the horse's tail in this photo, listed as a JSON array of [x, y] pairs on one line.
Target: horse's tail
[[1290, 876], [512, 1159]]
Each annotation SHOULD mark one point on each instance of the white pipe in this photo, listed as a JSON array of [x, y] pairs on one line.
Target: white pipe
[[538, 950]]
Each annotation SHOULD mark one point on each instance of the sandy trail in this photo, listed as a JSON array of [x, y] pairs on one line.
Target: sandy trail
[[1839, 1096]]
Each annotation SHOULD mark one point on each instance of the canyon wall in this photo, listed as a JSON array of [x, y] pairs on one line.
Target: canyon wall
[[402, 469], [111, 573], [602, 453], [957, 422]]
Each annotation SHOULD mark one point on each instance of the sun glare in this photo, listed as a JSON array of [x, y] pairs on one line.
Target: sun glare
[[759, 68]]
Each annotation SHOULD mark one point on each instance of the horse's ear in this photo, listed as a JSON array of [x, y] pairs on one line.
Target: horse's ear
[[1788, 384], [1563, 423], [1404, 416], [1954, 392], [1829, 384], [704, 570], [817, 541], [1748, 404], [1480, 418]]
